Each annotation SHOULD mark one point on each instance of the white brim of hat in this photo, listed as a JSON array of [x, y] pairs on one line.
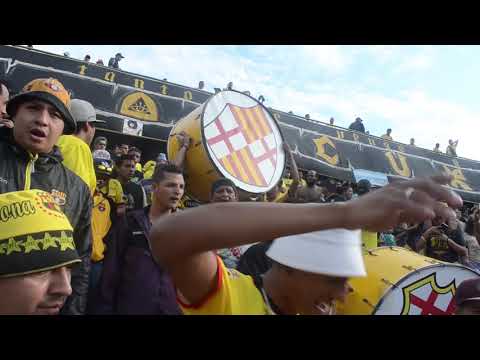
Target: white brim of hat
[[470, 299], [336, 252]]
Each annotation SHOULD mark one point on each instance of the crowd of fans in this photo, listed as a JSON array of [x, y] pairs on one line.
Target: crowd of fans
[[357, 125], [124, 231]]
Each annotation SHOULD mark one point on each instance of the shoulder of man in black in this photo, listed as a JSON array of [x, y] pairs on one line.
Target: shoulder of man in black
[[136, 191], [69, 191]]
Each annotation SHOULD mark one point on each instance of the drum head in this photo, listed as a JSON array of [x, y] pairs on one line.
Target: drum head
[[243, 141], [428, 291]]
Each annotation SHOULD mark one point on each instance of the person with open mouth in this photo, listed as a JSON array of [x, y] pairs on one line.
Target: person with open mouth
[[317, 248], [132, 283]]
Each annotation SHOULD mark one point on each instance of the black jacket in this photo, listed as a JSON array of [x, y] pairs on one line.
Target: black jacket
[[71, 193], [357, 127], [113, 63]]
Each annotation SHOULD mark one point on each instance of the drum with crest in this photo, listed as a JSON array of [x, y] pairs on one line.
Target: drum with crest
[[401, 282], [234, 137]]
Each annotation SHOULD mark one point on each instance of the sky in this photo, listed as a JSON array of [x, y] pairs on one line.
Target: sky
[[429, 92]]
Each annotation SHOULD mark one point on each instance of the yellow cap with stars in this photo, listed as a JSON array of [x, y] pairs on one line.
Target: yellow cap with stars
[[35, 235]]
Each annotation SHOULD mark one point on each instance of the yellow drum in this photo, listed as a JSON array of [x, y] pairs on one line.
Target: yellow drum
[[401, 282], [234, 137]]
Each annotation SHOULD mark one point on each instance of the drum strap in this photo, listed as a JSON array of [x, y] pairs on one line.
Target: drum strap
[[274, 309]]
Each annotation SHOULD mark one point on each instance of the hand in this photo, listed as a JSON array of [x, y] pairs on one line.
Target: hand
[[184, 139], [6, 123], [387, 207]]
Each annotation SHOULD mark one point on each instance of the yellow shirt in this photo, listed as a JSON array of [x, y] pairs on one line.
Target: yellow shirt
[[280, 198], [235, 294], [148, 169], [369, 240], [78, 158], [387, 137], [138, 167], [288, 182], [101, 224], [114, 191]]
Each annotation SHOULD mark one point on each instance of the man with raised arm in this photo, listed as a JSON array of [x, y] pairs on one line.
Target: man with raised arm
[[311, 266]]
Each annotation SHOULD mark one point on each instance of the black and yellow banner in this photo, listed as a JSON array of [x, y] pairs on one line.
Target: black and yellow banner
[[121, 97]]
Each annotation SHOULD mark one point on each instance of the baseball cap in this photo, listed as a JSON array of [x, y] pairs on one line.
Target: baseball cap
[[51, 91], [162, 157], [36, 235], [468, 290], [103, 168], [335, 252], [101, 155], [83, 111], [119, 54]]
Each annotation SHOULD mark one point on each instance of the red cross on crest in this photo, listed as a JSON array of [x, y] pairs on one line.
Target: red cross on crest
[[243, 141], [428, 305]]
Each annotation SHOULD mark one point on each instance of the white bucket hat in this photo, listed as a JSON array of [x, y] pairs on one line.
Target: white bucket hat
[[336, 252]]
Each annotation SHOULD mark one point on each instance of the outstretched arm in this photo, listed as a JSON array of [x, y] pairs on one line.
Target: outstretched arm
[[294, 170], [184, 142], [183, 242]]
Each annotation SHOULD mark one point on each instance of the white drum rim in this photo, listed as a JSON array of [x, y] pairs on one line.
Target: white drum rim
[[410, 274], [241, 185]]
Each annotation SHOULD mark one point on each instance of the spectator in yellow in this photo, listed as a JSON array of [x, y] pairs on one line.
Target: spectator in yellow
[[111, 188], [388, 135], [148, 169], [312, 255], [280, 194], [75, 148], [103, 213]]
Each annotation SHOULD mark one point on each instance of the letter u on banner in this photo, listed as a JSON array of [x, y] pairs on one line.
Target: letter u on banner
[[110, 76], [459, 180], [400, 166]]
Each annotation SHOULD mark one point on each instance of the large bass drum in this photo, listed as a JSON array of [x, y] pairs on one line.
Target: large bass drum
[[234, 137], [401, 282]]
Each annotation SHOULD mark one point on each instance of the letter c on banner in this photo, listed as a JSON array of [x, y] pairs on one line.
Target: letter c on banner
[[320, 143], [401, 169]]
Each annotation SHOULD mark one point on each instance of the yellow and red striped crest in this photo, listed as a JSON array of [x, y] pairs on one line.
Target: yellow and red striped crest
[[244, 142]]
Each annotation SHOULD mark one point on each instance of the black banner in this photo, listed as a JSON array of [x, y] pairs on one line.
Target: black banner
[[135, 104]]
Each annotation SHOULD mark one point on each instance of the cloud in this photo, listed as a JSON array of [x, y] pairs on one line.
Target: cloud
[[330, 58], [418, 62]]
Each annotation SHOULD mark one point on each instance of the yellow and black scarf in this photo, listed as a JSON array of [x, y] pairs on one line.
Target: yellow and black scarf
[[35, 235]]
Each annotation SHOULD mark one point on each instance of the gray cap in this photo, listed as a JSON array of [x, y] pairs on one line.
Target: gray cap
[[83, 111]]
